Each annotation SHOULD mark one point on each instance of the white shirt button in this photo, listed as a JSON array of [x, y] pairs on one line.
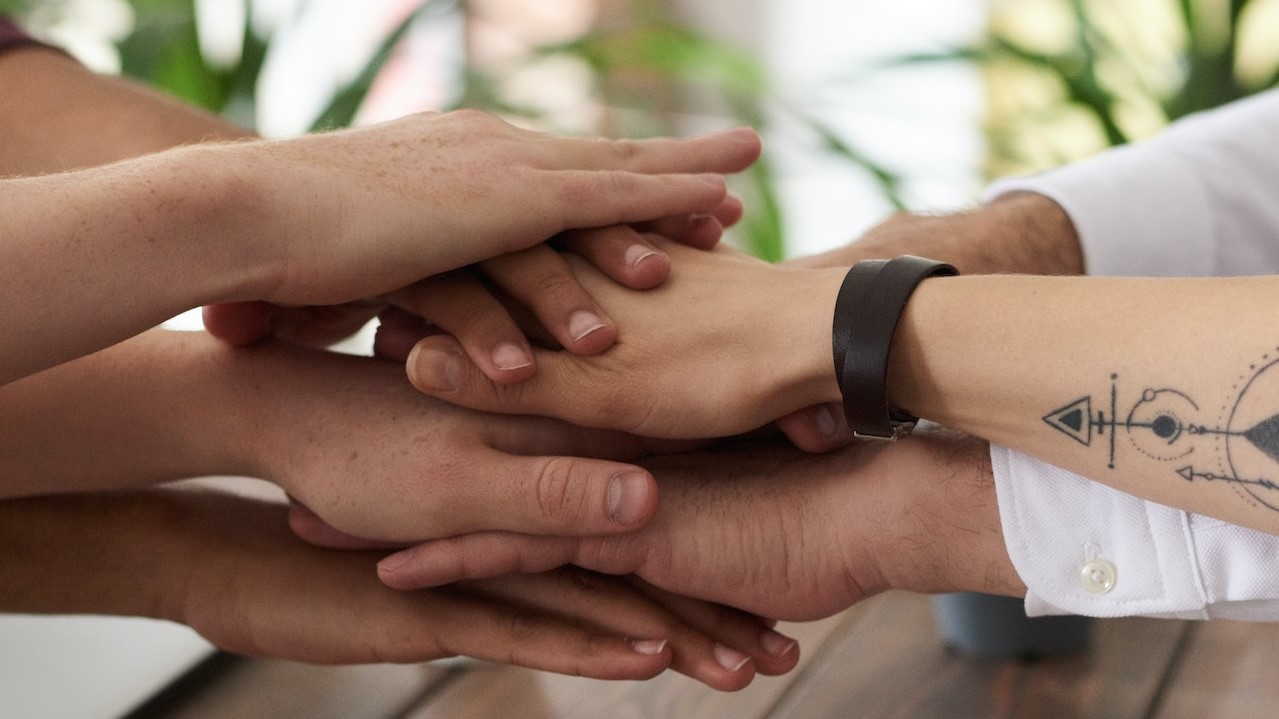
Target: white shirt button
[[1097, 576]]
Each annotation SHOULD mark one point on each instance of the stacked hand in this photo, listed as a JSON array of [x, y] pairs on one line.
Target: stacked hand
[[229, 568], [709, 354], [436, 193], [774, 532]]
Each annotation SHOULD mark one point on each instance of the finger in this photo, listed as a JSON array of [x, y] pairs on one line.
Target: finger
[[610, 604], [721, 153], [540, 279], [482, 555], [730, 211], [578, 198], [700, 231], [496, 631], [437, 366], [542, 496], [621, 253], [817, 429], [239, 323], [554, 496], [741, 637], [457, 303], [308, 526], [322, 325]]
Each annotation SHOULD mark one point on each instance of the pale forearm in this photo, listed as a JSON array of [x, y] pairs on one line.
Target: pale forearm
[[92, 257], [1159, 388], [156, 408], [60, 116]]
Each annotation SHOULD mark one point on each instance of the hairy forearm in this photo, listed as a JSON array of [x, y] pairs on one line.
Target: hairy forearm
[[1165, 389], [155, 408], [1019, 233], [58, 116]]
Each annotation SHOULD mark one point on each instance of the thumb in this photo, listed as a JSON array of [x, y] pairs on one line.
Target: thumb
[[822, 428], [438, 366]]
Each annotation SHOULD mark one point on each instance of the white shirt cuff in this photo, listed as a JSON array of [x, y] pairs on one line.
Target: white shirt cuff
[[1145, 547], [1163, 562], [1162, 226]]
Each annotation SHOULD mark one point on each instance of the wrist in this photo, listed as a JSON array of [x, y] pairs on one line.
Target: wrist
[[803, 357], [247, 428], [946, 534], [218, 209], [1020, 232], [1026, 233], [912, 385]]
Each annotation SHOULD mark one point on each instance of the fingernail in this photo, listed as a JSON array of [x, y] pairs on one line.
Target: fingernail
[[583, 323], [824, 419], [648, 647], [392, 563], [636, 254], [730, 659], [777, 645], [712, 179], [509, 356], [695, 220], [627, 497], [436, 369]]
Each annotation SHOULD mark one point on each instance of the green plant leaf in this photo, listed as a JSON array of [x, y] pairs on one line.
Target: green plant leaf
[[164, 50], [762, 225]]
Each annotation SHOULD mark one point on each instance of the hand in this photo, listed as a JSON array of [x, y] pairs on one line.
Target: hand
[[351, 440], [728, 344], [779, 533], [229, 568], [341, 216], [462, 304]]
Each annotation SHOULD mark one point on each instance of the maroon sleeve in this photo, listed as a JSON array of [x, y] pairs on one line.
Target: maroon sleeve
[[12, 36]]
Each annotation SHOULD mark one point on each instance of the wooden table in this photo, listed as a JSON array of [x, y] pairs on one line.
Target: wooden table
[[880, 659]]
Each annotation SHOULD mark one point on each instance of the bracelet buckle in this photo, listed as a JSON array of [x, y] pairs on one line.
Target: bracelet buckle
[[899, 430]]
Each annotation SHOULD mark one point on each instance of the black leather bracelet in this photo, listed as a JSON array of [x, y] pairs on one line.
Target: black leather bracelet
[[867, 310]]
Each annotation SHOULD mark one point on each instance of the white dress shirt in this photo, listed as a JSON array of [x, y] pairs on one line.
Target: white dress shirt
[[1202, 199]]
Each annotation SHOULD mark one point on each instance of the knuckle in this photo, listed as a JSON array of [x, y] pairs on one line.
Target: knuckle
[[621, 182], [482, 321], [612, 408], [471, 117], [553, 286], [577, 190], [609, 555], [625, 151], [555, 490], [524, 628]]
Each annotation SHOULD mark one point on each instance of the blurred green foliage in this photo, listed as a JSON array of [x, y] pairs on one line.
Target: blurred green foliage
[[1100, 66], [1118, 71]]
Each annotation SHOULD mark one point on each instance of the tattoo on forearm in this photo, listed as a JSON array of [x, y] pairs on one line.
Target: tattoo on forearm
[[1238, 445]]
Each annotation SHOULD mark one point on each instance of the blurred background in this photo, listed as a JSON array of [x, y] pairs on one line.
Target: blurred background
[[866, 107]]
